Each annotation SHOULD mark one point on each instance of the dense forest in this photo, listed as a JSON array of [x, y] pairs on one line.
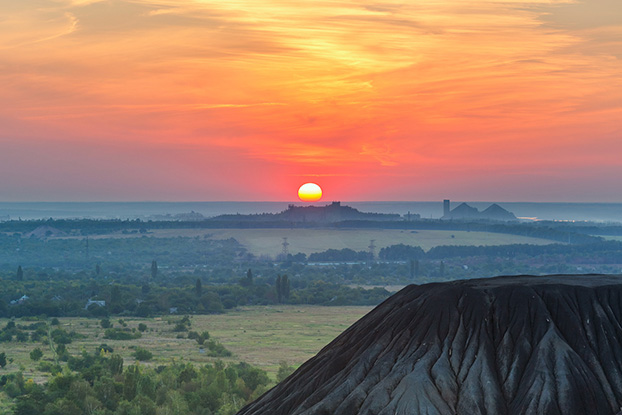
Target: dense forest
[[99, 385]]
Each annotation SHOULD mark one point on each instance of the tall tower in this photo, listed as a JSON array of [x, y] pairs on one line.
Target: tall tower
[[372, 249], [285, 250], [446, 209]]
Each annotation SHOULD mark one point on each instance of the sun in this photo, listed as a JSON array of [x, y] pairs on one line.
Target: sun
[[310, 192]]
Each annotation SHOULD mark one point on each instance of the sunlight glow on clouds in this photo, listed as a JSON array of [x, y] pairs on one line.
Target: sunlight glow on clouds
[[421, 96]]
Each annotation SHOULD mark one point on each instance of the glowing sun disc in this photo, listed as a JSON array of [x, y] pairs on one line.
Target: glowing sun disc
[[310, 192]]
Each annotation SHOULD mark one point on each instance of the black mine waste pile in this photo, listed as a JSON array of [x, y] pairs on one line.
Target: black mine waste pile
[[506, 345]]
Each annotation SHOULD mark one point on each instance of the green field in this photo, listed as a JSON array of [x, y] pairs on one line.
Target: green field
[[307, 241], [270, 241], [261, 336]]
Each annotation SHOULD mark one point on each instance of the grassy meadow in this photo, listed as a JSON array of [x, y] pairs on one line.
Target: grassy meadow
[[307, 241], [269, 241], [261, 336]]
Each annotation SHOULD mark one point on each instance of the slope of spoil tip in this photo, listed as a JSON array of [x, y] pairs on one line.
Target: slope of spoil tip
[[505, 345]]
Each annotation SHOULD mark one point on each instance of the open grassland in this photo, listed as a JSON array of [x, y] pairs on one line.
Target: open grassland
[[261, 336], [270, 241], [307, 241]]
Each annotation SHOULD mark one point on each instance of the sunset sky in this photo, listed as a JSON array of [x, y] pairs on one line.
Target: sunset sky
[[248, 99]]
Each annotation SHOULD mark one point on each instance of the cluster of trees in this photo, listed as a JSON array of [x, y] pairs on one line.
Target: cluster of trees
[[113, 254], [612, 250], [544, 229], [608, 250], [63, 296], [35, 332], [97, 383], [401, 252], [340, 255]]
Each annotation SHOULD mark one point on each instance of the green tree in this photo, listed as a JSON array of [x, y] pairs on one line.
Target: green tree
[[36, 354], [2, 360], [284, 371], [19, 275], [115, 364], [198, 287], [286, 286], [282, 288], [115, 299], [130, 382], [248, 281], [106, 391], [201, 338], [62, 406], [154, 269]]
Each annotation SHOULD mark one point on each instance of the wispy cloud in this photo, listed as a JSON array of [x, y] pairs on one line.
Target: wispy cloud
[[56, 26], [380, 87]]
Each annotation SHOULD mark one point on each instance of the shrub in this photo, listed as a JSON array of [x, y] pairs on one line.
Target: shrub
[[49, 367], [119, 334], [60, 336], [202, 338], [142, 354], [21, 336], [105, 348], [180, 327], [216, 349], [36, 354]]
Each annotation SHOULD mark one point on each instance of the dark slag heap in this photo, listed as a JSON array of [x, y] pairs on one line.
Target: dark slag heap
[[505, 345]]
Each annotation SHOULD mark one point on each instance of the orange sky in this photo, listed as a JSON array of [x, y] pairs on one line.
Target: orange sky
[[247, 99]]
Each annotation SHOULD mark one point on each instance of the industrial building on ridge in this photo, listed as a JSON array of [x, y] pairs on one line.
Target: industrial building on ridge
[[465, 212]]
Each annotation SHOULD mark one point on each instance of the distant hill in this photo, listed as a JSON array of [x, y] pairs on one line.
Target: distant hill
[[335, 212]]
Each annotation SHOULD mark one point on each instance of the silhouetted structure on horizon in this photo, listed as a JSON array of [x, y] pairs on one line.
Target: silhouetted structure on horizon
[[465, 212], [332, 213]]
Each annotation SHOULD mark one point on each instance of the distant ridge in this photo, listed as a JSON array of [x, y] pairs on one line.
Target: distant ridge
[[521, 345], [332, 213]]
